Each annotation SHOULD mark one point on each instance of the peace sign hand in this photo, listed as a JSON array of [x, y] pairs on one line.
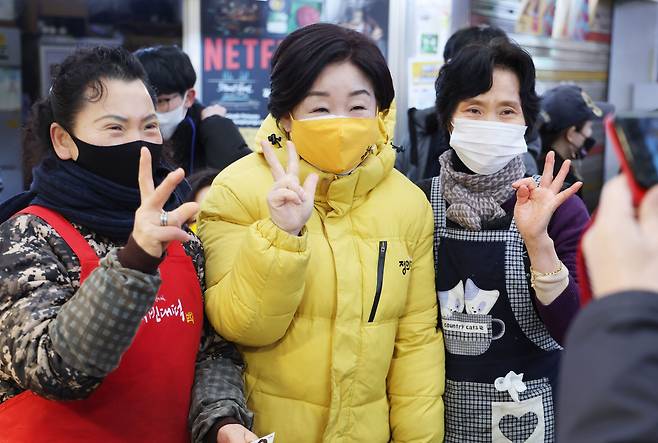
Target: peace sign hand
[[290, 204], [149, 234], [535, 205]]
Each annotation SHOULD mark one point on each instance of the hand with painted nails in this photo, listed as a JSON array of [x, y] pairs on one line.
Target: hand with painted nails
[[289, 202], [148, 231]]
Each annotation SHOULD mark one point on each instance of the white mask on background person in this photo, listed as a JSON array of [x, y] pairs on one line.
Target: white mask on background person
[[486, 147], [170, 120]]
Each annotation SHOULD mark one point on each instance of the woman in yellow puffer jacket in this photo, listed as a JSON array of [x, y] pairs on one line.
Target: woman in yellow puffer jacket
[[322, 272]]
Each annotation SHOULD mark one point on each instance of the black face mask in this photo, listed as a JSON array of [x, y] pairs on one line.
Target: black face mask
[[117, 163], [587, 146]]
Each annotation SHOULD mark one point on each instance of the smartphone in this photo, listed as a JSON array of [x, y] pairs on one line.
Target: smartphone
[[634, 136]]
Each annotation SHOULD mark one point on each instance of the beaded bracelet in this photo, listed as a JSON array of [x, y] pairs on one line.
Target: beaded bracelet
[[534, 275]]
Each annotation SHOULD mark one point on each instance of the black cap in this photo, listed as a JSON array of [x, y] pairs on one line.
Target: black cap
[[568, 105]]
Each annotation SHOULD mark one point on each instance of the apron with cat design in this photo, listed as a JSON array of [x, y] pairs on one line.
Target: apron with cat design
[[501, 361]]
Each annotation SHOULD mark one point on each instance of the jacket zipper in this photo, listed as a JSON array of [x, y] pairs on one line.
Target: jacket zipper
[[380, 279]]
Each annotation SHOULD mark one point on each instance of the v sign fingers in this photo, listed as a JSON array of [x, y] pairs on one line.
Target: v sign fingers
[[293, 159], [165, 189], [145, 177], [310, 184], [290, 204], [275, 166], [148, 232]]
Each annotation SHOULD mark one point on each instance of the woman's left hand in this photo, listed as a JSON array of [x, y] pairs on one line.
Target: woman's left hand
[[535, 205]]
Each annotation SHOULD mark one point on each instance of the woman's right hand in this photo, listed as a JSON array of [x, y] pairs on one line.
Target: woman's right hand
[[147, 231], [290, 203], [234, 433]]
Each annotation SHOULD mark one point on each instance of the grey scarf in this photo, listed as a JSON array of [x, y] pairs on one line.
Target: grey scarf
[[475, 198]]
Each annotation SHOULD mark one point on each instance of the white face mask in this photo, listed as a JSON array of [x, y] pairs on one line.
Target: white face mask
[[486, 147], [170, 120]]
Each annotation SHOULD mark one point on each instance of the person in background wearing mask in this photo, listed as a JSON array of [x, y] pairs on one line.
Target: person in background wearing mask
[[321, 268], [200, 136], [610, 367], [567, 113], [200, 183], [505, 260], [101, 305], [421, 147]]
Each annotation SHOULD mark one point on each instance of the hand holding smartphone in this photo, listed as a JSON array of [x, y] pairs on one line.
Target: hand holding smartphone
[[634, 137]]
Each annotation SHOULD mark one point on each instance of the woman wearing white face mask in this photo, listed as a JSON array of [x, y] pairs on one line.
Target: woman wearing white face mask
[[323, 271], [505, 260]]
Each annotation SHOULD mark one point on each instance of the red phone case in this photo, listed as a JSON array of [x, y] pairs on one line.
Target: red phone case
[[637, 192]]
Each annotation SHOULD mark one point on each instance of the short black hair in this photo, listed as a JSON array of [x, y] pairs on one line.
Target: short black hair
[[470, 73], [169, 69], [302, 56], [481, 34]]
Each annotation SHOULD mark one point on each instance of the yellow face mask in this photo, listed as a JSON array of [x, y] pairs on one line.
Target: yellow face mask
[[336, 144]]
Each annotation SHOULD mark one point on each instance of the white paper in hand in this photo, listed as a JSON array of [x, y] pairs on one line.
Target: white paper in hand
[[266, 439]]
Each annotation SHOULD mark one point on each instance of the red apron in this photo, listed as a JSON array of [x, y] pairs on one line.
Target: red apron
[[147, 398]]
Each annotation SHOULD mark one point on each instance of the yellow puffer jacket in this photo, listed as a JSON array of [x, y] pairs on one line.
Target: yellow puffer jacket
[[338, 326]]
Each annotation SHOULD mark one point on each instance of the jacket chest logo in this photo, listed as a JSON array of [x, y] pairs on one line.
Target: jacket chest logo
[[405, 266]]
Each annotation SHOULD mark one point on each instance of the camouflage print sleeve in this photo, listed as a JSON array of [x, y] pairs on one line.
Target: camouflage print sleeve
[[218, 390], [54, 334]]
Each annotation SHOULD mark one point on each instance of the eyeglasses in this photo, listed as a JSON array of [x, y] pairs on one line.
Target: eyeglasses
[[166, 103]]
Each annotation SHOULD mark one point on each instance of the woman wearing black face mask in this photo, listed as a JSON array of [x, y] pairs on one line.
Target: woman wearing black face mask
[[567, 113], [101, 305]]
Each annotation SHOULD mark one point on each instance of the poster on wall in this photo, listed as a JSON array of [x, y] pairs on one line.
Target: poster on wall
[[10, 89], [536, 17], [369, 17], [431, 26], [239, 38], [579, 20], [7, 10], [422, 74]]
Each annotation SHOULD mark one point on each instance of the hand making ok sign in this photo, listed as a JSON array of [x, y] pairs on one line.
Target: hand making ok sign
[[535, 204]]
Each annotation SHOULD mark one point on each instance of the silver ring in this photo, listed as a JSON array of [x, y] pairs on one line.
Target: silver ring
[[164, 218]]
